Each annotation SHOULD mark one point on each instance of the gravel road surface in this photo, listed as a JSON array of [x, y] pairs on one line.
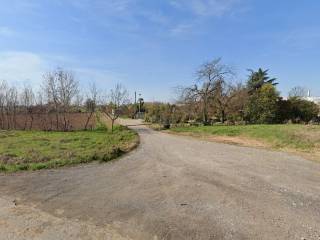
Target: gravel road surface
[[170, 187]]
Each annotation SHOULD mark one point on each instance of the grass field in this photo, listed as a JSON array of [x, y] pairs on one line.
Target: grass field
[[33, 150], [304, 139]]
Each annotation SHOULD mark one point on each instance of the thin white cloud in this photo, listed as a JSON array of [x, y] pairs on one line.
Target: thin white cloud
[[182, 29], [118, 5], [206, 7], [6, 32], [101, 77], [201, 11], [156, 17], [21, 67], [18, 7], [111, 7], [302, 39]]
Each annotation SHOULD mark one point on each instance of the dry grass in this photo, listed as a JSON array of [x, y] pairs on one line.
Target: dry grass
[[303, 140]]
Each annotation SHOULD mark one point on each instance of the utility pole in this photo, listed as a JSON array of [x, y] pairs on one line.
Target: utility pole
[[140, 103], [135, 104]]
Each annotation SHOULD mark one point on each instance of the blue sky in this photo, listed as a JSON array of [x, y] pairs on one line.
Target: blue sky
[[151, 46]]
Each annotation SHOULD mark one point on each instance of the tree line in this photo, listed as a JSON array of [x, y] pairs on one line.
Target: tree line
[[58, 104], [217, 97]]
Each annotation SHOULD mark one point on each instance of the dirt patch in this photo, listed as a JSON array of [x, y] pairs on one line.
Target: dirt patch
[[27, 222], [243, 141], [239, 140]]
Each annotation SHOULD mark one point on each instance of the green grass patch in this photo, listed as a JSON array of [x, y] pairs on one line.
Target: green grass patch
[[34, 150], [298, 137]]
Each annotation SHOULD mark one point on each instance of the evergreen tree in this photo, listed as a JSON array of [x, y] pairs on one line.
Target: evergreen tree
[[259, 78], [262, 106]]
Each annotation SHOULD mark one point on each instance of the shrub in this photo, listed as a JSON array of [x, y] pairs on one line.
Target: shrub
[[303, 109], [262, 105]]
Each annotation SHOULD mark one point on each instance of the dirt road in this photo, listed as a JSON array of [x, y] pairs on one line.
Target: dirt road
[[171, 187]]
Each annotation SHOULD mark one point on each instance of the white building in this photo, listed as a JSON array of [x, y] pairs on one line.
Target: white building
[[312, 99]]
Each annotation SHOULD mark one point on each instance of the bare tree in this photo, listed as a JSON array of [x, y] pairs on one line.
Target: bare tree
[[203, 90], [118, 97], [11, 99], [3, 90], [298, 92], [60, 87], [27, 103], [68, 89], [238, 102], [91, 103], [42, 110], [50, 88], [225, 92], [79, 101]]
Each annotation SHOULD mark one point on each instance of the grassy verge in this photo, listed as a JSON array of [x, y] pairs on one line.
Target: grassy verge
[[303, 139], [33, 150], [156, 127]]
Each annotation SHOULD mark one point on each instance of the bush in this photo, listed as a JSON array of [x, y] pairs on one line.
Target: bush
[[297, 110], [303, 109], [262, 105]]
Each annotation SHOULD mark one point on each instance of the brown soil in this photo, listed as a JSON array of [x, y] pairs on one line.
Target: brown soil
[[76, 121], [239, 140]]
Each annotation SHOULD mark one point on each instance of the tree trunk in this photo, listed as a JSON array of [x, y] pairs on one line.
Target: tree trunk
[[223, 115], [25, 121], [2, 118], [14, 118], [205, 115], [65, 122], [8, 121], [112, 123], [31, 123], [88, 120], [57, 121]]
